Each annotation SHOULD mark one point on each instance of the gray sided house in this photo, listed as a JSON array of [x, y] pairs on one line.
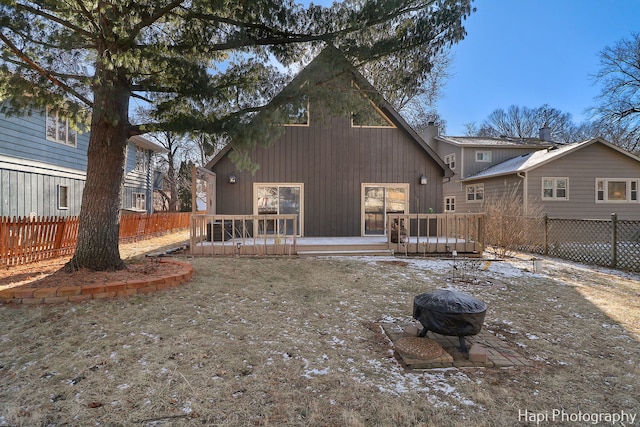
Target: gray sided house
[[587, 180], [340, 167], [467, 156], [43, 163]]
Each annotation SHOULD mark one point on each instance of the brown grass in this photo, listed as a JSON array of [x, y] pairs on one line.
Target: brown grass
[[295, 342]]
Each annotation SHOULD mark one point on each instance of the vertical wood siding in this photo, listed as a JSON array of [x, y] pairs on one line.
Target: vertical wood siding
[[332, 159], [22, 193]]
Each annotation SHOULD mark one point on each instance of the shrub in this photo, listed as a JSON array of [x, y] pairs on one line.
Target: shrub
[[509, 225]]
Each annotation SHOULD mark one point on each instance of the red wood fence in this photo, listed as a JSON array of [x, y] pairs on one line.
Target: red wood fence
[[24, 240]]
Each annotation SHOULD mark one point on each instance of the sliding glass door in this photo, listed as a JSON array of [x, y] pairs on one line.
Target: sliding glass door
[[378, 200], [278, 199]]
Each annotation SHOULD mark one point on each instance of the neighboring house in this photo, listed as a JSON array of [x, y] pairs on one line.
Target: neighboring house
[[340, 173], [43, 164], [466, 156], [590, 179]]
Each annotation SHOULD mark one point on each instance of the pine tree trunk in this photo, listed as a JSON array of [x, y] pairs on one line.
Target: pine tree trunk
[[99, 227]]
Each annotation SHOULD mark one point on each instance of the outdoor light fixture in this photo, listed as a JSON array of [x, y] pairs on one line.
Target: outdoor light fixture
[[423, 180], [233, 178]]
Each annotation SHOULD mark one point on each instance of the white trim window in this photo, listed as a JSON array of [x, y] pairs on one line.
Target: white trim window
[[475, 193], [139, 201], [297, 113], [450, 160], [59, 130], [63, 197], [142, 160], [483, 156], [555, 188], [617, 190], [449, 204]]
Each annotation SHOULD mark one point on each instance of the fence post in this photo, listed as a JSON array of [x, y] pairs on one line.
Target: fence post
[[614, 240], [545, 251]]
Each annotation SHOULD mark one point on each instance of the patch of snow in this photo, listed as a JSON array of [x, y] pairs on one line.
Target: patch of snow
[[309, 373], [532, 336], [337, 341], [148, 335]]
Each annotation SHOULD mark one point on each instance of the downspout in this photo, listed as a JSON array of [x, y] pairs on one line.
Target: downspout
[[149, 184], [525, 191]]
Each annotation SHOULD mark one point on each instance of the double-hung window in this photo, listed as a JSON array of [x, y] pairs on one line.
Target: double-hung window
[[58, 129], [450, 160], [617, 190], [449, 204], [475, 193], [555, 188], [139, 201], [142, 159]]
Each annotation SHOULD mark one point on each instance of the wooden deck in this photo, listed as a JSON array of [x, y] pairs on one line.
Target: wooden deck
[[275, 235]]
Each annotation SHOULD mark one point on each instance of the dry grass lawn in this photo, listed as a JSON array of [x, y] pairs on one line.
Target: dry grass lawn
[[297, 342]]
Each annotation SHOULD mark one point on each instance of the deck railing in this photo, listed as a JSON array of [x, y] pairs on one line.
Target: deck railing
[[435, 233], [244, 234], [25, 240]]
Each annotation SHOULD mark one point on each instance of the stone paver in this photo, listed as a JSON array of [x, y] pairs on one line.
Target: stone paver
[[498, 352]]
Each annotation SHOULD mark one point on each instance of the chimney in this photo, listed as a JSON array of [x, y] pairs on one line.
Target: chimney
[[430, 132], [545, 134]]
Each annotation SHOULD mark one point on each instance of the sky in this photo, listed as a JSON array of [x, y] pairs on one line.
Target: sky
[[530, 53]]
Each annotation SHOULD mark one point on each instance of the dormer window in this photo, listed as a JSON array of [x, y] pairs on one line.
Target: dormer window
[[58, 129]]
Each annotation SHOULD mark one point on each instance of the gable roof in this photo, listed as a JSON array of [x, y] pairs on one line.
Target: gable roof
[[538, 158], [482, 141], [145, 143], [329, 64]]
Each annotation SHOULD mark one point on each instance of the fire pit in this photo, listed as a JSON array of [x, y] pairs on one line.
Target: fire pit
[[451, 313]]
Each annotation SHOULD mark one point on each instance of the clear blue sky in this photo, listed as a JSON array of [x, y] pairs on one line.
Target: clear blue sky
[[530, 53]]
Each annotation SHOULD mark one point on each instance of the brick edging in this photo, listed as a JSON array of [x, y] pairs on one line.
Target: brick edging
[[62, 294]]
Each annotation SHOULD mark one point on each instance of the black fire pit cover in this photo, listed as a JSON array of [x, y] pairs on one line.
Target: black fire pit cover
[[449, 313], [446, 301]]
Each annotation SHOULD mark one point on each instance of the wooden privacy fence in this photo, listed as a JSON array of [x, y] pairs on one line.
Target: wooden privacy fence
[[24, 240], [607, 242]]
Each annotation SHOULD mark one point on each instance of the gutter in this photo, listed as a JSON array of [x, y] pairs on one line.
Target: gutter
[[525, 190]]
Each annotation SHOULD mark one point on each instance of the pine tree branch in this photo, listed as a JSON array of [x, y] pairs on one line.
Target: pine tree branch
[[48, 75], [151, 19], [88, 15], [54, 18], [204, 126]]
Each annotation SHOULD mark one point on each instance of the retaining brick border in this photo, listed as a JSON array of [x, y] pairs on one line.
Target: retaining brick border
[[36, 296]]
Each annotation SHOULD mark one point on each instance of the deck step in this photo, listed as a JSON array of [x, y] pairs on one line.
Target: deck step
[[372, 252]]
